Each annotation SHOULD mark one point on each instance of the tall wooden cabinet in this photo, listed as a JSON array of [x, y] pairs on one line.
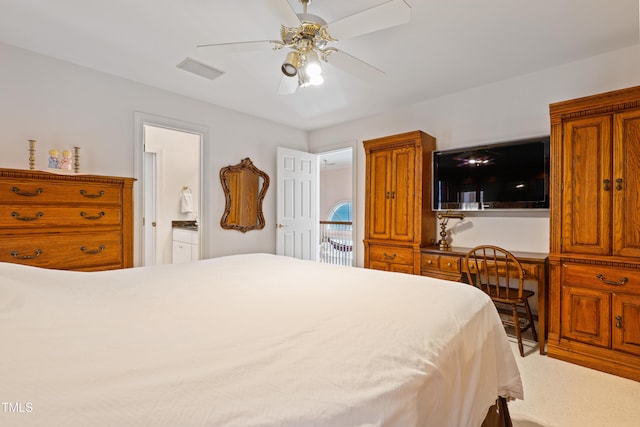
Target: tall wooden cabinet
[[398, 217], [594, 317]]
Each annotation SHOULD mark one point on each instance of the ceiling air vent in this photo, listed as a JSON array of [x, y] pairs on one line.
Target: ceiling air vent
[[203, 70]]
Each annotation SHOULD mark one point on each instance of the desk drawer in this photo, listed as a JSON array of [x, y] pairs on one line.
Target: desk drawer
[[447, 263], [531, 271], [430, 262]]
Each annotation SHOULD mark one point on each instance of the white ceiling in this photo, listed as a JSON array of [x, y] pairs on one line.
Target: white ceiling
[[449, 45]]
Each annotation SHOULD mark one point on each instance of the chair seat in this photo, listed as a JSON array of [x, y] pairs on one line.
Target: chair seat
[[511, 296]]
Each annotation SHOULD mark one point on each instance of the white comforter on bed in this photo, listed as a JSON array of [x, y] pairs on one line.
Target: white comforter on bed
[[247, 340]]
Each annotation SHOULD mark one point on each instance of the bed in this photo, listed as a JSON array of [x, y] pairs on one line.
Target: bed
[[247, 340]]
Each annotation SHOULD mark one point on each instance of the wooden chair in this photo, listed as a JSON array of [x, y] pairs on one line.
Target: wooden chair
[[499, 274]]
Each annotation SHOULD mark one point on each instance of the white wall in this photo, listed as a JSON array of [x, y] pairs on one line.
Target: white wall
[[62, 105], [501, 111]]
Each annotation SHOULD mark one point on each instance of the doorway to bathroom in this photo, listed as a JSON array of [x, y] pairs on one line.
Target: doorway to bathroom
[[169, 173]]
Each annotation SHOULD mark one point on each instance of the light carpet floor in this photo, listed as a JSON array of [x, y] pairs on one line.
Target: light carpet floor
[[561, 394]]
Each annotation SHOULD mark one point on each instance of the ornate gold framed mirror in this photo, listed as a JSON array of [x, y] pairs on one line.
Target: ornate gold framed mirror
[[244, 187]]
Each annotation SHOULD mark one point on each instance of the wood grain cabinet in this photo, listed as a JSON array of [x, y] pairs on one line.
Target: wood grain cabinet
[[68, 222], [595, 232], [398, 217]]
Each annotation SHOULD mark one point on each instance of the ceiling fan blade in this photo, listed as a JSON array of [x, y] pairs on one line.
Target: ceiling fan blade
[[288, 85], [285, 12], [248, 46], [353, 65], [385, 15]]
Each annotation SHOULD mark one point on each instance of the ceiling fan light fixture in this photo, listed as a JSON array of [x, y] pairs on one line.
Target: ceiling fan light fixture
[[290, 65], [316, 80], [312, 65], [303, 78]]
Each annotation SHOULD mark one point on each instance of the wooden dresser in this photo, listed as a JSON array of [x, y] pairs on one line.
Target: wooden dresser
[[398, 215], [67, 222], [594, 277]]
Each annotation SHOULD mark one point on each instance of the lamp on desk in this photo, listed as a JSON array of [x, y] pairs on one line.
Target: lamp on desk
[[445, 217]]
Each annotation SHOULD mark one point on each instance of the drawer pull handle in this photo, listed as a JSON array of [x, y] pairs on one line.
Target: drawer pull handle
[[449, 264], [17, 255], [92, 196], [390, 257], [93, 251], [619, 322], [430, 262], [619, 184], [92, 217], [16, 215], [24, 193], [606, 184], [622, 281]]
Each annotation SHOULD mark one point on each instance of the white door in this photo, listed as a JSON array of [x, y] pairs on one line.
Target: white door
[[297, 204], [149, 219]]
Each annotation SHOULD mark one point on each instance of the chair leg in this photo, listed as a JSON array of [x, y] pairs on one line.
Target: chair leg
[[516, 323], [530, 316]]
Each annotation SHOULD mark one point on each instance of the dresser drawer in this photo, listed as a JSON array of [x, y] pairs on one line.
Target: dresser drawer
[[35, 191], [68, 251], [37, 216], [601, 277], [391, 254]]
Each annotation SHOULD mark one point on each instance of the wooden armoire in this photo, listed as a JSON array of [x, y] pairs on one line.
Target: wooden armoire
[[398, 215], [594, 277]]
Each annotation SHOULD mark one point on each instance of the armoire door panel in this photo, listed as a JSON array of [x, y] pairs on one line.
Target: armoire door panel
[[626, 326], [402, 193], [586, 316], [626, 181], [380, 195], [586, 205]]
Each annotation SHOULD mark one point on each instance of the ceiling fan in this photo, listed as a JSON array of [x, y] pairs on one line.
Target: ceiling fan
[[309, 40]]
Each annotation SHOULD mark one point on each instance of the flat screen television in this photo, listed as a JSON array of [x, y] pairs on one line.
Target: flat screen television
[[507, 175]]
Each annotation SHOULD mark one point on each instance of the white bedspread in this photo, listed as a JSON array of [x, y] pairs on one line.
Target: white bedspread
[[247, 340]]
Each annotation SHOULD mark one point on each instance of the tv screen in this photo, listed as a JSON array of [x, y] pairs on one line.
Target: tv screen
[[511, 175]]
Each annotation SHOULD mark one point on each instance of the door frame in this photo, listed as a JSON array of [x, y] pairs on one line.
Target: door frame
[[140, 120], [150, 195], [358, 233]]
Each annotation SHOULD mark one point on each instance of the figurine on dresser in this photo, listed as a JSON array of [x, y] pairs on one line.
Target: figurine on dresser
[[53, 159], [65, 164]]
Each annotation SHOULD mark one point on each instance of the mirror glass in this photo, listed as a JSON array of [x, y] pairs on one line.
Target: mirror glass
[[244, 188]]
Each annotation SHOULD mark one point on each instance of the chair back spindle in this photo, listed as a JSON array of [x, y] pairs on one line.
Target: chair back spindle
[[500, 275]]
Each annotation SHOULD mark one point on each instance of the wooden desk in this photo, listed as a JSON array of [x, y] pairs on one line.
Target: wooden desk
[[447, 264]]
